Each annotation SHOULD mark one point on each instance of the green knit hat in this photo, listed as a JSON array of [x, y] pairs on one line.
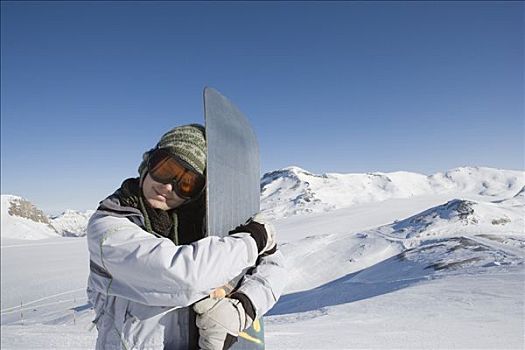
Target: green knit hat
[[186, 142]]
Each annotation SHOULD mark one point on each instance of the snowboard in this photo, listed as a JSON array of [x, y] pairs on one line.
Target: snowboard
[[233, 181]]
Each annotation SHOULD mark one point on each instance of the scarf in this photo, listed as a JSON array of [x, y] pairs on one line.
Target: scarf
[[159, 221]]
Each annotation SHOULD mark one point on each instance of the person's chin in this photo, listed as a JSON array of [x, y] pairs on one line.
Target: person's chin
[[158, 204]]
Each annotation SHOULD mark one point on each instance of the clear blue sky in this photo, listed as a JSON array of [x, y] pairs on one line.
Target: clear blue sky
[[87, 87]]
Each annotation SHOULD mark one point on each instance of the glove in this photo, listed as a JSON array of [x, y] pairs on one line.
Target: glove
[[262, 232], [221, 320]]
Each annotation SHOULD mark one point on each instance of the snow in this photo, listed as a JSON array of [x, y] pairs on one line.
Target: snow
[[416, 262], [33, 270], [459, 312], [291, 191], [72, 222], [69, 223], [16, 227]]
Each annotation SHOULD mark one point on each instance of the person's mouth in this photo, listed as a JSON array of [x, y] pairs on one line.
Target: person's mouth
[[165, 196]]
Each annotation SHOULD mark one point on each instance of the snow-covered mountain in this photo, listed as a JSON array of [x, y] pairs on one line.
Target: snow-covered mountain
[[72, 223], [461, 217], [292, 190], [22, 220]]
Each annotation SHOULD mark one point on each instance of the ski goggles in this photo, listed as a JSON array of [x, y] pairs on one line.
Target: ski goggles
[[166, 168]]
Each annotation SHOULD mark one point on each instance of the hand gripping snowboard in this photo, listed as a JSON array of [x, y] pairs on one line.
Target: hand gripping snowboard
[[233, 181]]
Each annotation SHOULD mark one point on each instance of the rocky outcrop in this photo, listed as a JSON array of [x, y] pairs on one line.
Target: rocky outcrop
[[25, 209]]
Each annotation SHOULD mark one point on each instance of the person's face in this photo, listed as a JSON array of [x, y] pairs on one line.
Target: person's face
[[159, 195]]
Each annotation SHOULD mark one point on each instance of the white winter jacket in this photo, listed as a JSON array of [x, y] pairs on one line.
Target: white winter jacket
[[142, 285]]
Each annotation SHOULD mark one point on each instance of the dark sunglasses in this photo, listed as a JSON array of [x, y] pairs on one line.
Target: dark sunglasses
[[166, 168]]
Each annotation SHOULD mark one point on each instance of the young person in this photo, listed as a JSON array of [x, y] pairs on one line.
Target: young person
[[153, 266]]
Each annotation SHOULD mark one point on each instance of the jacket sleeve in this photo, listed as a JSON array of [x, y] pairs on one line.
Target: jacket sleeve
[[265, 284], [153, 271]]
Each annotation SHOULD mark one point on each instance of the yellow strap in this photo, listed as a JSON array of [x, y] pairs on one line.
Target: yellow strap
[[250, 338], [257, 328]]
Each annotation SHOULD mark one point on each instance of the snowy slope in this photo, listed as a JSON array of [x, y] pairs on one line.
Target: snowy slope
[[516, 200], [448, 277], [292, 190], [470, 311], [22, 220], [464, 232], [43, 284]]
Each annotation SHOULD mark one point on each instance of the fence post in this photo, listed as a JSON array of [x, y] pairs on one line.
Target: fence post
[[21, 312], [74, 313]]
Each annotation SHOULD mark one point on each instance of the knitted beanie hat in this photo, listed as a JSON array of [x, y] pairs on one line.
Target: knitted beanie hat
[[186, 142]]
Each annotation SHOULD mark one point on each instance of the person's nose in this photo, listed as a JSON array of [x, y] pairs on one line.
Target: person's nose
[[167, 187]]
